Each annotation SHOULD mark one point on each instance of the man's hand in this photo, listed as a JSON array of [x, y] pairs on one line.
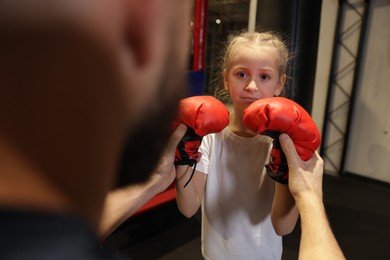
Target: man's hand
[[305, 177], [165, 171], [305, 183], [120, 204]]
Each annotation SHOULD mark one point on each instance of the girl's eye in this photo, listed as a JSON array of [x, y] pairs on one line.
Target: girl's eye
[[242, 74], [264, 77]]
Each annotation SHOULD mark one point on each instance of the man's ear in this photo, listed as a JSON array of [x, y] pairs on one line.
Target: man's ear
[[143, 21], [280, 85]]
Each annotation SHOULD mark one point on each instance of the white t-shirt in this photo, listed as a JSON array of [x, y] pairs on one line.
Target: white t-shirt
[[236, 207]]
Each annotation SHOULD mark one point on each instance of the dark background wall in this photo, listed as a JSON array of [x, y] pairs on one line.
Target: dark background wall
[[298, 21]]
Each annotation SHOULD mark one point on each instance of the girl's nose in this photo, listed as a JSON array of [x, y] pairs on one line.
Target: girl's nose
[[252, 86]]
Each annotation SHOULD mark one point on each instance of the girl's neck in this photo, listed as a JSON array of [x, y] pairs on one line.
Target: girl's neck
[[236, 125]]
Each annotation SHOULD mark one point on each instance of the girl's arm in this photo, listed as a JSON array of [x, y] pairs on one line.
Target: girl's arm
[[284, 214], [190, 197]]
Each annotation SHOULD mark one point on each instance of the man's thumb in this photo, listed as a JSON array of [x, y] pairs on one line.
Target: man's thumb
[[176, 136], [288, 149]]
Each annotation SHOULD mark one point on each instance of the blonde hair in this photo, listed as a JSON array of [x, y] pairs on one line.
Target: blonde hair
[[255, 39]]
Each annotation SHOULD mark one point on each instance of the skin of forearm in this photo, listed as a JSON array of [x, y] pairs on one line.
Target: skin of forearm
[[284, 214], [317, 239], [122, 203], [189, 198]]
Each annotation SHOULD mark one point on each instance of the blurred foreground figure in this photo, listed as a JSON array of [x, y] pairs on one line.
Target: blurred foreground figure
[[79, 80]]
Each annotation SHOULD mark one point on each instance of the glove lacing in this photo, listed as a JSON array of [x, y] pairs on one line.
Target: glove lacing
[[192, 174]]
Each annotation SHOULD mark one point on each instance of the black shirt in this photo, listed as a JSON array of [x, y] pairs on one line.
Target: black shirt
[[39, 235]]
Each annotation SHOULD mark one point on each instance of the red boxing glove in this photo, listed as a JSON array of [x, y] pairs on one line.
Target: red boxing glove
[[202, 115], [276, 115]]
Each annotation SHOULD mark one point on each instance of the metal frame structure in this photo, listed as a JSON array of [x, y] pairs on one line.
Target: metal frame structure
[[337, 128]]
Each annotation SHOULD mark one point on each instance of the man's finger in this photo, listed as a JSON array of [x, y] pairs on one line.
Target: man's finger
[[289, 149], [176, 136]]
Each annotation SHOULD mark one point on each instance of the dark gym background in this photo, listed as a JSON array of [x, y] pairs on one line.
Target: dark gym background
[[338, 47]]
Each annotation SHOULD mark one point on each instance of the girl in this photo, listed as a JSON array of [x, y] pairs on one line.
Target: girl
[[244, 212]]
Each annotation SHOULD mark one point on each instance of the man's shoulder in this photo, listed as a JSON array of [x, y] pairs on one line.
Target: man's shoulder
[[42, 235]]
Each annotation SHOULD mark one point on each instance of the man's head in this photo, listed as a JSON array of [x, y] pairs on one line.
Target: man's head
[[77, 78], [145, 143]]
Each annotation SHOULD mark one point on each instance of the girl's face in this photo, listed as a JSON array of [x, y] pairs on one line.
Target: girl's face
[[253, 74]]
